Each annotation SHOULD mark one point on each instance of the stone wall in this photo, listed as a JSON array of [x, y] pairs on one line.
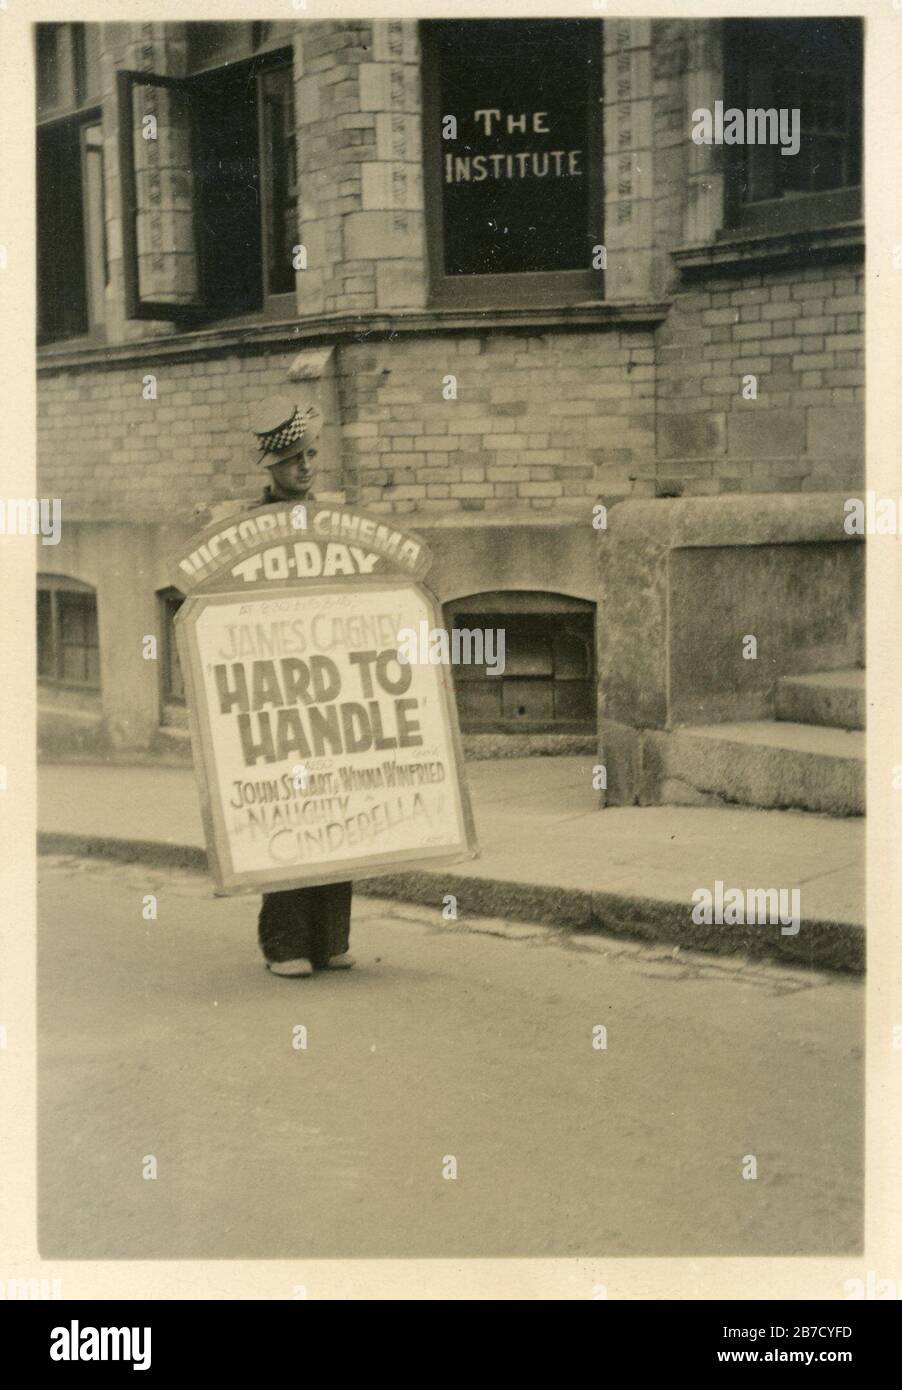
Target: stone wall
[[681, 584], [548, 418], [798, 334]]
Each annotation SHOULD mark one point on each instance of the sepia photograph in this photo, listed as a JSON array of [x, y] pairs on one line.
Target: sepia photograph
[[450, 690]]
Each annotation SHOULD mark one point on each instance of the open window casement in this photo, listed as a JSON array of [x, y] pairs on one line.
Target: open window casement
[[160, 198]]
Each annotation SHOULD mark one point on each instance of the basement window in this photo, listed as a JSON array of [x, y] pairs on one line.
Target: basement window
[[67, 641], [172, 681], [548, 682]]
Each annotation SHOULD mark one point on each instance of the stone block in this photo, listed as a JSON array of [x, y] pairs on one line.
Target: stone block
[[383, 235], [691, 436], [391, 185], [395, 41], [307, 102], [397, 137], [764, 433], [400, 284], [619, 754], [836, 432], [375, 91]]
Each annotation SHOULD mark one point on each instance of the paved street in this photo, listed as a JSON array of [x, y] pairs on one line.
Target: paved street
[[546, 852], [168, 1038]]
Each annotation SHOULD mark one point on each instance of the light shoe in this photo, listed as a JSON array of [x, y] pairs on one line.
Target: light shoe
[[290, 968], [342, 962]]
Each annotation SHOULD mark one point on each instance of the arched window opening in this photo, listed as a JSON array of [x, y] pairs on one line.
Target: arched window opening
[[67, 641], [546, 682]]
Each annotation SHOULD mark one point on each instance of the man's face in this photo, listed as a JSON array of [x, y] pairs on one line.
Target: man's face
[[292, 477]]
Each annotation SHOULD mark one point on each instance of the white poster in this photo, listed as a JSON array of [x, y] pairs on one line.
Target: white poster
[[324, 755]]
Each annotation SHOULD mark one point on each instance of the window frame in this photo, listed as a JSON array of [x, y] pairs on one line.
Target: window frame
[[200, 313], [793, 212], [257, 41], [547, 614], [76, 110], [63, 584], [136, 307], [168, 647], [540, 288]]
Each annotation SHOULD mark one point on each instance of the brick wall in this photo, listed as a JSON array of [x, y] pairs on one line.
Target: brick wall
[[538, 421], [110, 453], [541, 420], [799, 334]]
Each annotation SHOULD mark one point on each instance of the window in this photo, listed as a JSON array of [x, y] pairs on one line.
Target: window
[[68, 650], [231, 183], [815, 66], [173, 686], [212, 44], [73, 269], [548, 682], [514, 196]]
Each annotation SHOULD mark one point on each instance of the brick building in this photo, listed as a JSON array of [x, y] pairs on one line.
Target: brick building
[[554, 301]]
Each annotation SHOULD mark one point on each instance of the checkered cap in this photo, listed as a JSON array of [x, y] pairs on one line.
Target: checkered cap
[[278, 424]]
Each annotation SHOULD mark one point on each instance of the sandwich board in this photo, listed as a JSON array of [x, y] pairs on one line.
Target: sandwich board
[[320, 756]]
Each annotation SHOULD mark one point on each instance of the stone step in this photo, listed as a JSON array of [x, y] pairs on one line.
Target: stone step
[[775, 764], [828, 697]]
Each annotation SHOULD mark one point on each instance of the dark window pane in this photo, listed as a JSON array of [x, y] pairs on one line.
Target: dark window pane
[[527, 654], [816, 67], [280, 178], [92, 666], [62, 289], [228, 169], [476, 624], [176, 689], [211, 43], [46, 657], [90, 620], [74, 664], [174, 685], [67, 636], [515, 191], [479, 701], [574, 700], [72, 618], [50, 77], [86, 60], [529, 699], [571, 656]]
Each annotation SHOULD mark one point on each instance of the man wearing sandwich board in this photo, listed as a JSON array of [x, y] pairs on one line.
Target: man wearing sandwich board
[[289, 640]]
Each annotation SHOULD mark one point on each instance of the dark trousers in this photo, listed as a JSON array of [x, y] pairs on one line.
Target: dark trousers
[[311, 923]]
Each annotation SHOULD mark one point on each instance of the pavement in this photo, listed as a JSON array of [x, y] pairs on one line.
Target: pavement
[[548, 854], [456, 1095]]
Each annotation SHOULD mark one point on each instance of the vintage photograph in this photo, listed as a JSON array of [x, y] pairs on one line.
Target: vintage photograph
[[451, 516]]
